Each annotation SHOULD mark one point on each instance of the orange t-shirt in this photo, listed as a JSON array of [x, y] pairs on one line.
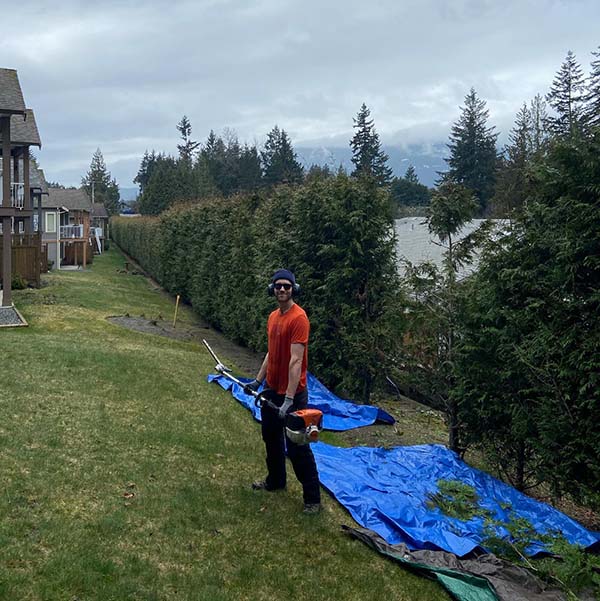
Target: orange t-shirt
[[283, 330]]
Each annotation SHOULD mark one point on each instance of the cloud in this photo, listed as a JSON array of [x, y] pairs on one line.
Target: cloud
[[119, 75]]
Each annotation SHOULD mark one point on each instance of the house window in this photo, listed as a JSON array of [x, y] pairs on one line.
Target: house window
[[51, 223]]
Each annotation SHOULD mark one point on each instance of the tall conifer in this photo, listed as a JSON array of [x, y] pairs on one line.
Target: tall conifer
[[100, 186], [473, 156], [189, 146], [566, 98], [367, 155], [280, 165], [592, 98]]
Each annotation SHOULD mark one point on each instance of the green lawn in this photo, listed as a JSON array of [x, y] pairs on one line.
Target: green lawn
[[126, 476]]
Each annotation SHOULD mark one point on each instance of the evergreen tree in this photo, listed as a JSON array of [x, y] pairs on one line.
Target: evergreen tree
[[231, 175], [100, 186], [214, 154], [539, 125], [472, 160], [367, 155], [188, 146], [280, 165], [512, 182], [343, 245], [437, 304], [318, 172], [530, 353], [566, 98], [411, 175], [203, 184], [162, 188], [250, 170], [145, 170], [409, 193], [592, 97]]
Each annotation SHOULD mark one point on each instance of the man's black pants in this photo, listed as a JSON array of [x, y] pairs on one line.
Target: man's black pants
[[301, 456]]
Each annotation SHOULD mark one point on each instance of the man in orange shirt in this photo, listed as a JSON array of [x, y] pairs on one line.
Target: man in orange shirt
[[284, 367]]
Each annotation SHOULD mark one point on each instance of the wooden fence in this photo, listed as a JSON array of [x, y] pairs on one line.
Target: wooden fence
[[74, 253], [26, 257]]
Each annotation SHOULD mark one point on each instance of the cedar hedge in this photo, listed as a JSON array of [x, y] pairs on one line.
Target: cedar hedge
[[336, 234]]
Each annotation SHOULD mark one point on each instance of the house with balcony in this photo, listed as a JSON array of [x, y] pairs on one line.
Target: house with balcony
[[38, 187], [67, 231], [20, 245]]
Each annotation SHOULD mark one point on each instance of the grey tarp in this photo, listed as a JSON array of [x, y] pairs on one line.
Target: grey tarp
[[482, 578]]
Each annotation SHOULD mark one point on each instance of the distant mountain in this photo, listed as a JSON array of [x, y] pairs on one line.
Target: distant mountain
[[128, 194], [427, 160]]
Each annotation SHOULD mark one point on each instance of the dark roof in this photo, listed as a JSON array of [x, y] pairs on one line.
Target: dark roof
[[99, 210], [45, 189], [74, 198], [11, 96], [24, 133], [37, 181]]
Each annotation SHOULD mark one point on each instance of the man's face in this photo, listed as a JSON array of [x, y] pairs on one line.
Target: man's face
[[283, 290]]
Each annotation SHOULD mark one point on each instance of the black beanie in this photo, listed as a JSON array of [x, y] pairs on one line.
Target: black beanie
[[283, 274]]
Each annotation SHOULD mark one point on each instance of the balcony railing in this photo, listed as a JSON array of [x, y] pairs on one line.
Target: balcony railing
[[71, 231], [17, 194]]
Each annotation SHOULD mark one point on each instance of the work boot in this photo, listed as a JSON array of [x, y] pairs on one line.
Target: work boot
[[312, 508], [263, 485]]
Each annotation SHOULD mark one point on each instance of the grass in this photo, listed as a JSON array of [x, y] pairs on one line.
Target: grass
[[126, 476]]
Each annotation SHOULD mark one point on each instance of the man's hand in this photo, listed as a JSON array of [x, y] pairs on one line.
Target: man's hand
[[252, 387], [287, 403]]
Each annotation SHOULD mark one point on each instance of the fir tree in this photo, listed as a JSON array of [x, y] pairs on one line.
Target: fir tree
[[437, 303], [407, 191], [162, 188], [566, 98], [145, 171], [231, 176], [100, 186], [250, 170], [203, 184], [280, 165], [592, 98], [188, 147], [367, 155], [473, 156], [511, 182], [214, 154], [411, 175], [539, 124], [318, 172]]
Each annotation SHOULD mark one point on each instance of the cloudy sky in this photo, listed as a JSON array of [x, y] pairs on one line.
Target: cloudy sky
[[119, 75]]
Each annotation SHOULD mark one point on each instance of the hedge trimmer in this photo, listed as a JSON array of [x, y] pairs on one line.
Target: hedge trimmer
[[302, 426]]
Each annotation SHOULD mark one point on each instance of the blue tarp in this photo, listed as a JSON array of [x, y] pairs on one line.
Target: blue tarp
[[338, 415], [386, 490]]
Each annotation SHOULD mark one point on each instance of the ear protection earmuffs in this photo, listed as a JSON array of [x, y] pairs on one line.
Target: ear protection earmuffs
[[283, 274], [295, 289]]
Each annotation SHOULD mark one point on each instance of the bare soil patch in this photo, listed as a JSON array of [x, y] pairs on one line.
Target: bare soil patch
[[247, 361]]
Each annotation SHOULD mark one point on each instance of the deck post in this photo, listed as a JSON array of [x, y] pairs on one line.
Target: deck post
[[6, 219]]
